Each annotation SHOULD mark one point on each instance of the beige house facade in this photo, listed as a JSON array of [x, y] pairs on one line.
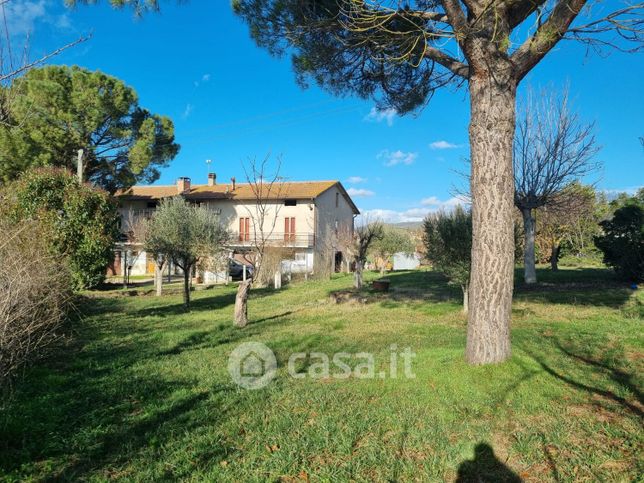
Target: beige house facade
[[303, 220]]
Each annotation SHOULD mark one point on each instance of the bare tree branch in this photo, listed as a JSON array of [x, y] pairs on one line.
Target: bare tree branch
[[20, 70]]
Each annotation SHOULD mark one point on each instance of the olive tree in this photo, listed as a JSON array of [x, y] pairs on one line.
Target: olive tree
[[448, 244], [184, 233], [393, 240]]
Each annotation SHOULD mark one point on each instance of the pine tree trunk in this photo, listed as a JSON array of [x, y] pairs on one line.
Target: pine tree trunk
[[529, 228], [492, 123], [241, 304]]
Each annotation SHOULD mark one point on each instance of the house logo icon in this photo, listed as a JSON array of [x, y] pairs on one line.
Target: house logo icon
[[252, 365]]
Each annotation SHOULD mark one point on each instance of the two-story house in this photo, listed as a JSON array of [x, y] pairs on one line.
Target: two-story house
[[303, 219]]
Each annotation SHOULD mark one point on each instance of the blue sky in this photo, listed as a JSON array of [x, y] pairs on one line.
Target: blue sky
[[230, 101]]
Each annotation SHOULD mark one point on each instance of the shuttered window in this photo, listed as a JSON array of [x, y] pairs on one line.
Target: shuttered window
[[289, 229], [244, 229]]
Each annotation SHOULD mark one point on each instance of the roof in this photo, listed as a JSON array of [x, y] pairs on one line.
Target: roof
[[300, 190]]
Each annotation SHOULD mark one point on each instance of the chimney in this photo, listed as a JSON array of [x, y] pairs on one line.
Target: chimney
[[183, 185], [234, 182], [212, 179]]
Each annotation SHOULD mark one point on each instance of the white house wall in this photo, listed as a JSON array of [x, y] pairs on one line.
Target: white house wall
[[331, 220]]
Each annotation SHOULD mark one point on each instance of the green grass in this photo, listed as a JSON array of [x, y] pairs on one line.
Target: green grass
[[143, 393]]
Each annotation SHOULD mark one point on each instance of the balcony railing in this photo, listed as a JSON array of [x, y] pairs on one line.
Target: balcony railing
[[298, 240]]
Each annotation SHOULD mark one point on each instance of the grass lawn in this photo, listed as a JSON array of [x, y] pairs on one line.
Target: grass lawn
[[143, 393]]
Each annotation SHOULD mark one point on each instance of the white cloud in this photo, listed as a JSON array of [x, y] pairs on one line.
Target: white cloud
[[356, 179], [444, 145], [438, 204], [187, 111], [392, 216], [392, 158], [63, 22], [377, 115], [21, 15], [413, 214], [204, 78], [360, 193]]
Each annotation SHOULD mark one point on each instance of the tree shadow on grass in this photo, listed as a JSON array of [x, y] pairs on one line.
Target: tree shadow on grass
[[93, 408], [411, 286], [593, 287], [591, 365], [485, 467], [88, 426], [226, 334], [213, 302]]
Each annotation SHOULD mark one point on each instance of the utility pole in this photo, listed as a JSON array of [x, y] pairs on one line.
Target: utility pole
[[79, 166]]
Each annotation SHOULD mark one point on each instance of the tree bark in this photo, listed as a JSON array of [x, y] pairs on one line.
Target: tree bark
[[158, 279], [241, 304], [357, 279], [466, 304], [186, 286], [529, 228], [554, 257], [492, 123]]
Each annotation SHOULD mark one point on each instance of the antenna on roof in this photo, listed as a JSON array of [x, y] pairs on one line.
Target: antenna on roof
[[208, 161]]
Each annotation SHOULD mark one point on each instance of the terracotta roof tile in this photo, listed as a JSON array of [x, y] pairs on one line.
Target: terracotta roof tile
[[242, 191]]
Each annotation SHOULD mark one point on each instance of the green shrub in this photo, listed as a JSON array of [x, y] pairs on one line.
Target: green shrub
[[83, 220], [623, 242]]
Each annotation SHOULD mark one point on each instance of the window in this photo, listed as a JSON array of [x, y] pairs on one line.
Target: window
[[290, 202], [337, 200], [152, 204], [244, 229], [289, 229]]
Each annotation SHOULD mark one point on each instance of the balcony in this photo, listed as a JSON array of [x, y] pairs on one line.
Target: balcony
[[276, 239]]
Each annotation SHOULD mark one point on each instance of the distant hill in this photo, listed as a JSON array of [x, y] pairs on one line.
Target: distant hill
[[408, 225]]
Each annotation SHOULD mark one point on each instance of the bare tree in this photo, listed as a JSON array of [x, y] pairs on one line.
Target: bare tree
[[266, 186], [356, 244], [552, 148], [133, 226]]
